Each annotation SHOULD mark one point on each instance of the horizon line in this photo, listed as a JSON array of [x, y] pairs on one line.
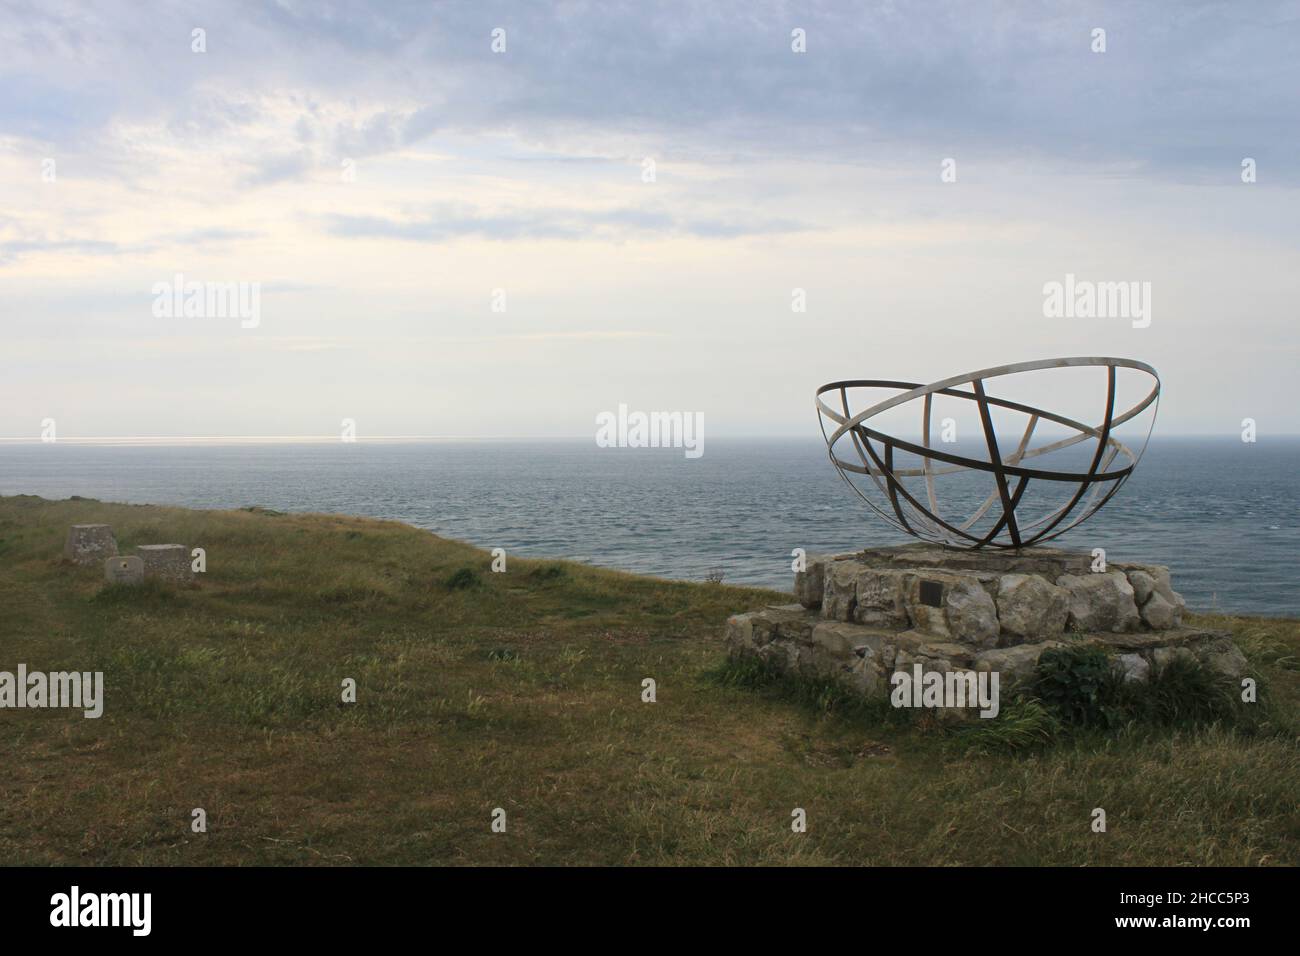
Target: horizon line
[[142, 440]]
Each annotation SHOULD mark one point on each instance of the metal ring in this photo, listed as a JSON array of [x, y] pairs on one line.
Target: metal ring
[[1007, 531]]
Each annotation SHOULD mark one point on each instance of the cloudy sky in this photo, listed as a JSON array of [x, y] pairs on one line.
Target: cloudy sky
[[639, 189]]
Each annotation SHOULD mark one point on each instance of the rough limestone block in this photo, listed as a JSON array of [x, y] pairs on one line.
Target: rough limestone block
[[916, 647], [907, 660], [1223, 656], [879, 598], [797, 657], [850, 641], [1134, 668], [971, 614], [1159, 614], [881, 659], [124, 570], [817, 661], [1160, 605], [1013, 663], [868, 676], [878, 648], [1050, 562], [1101, 602], [788, 622], [171, 562], [1148, 579], [89, 544], [1031, 608], [809, 584], [955, 606], [780, 654], [1144, 642], [960, 654], [835, 637], [739, 635], [921, 645], [881, 645], [840, 590], [1164, 656]]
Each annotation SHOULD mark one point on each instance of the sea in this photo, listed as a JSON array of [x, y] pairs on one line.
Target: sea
[[1222, 514]]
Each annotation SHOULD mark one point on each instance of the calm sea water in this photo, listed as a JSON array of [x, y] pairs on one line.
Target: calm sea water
[[1221, 514]]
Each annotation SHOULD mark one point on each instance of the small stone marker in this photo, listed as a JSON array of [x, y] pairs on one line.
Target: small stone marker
[[89, 544], [168, 561], [124, 570]]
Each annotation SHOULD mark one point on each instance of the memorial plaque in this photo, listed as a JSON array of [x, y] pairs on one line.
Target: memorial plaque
[[932, 593], [124, 570]]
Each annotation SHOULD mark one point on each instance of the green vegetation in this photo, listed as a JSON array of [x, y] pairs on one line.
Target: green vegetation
[[464, 578], [1082, 687], [523, 691]]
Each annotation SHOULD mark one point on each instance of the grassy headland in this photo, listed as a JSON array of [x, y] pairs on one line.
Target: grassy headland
[[523, 691]]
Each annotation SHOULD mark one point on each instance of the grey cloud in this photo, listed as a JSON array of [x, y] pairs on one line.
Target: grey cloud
[[279, 168], [204, 236], [1173, 91], [13, 249], [447, 223]]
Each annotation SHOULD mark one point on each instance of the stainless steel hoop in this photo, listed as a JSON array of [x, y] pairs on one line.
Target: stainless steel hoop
[[910, 515]]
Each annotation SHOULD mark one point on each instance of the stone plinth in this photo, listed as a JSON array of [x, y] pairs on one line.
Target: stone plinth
[[171, 562], [991, 599], [124, 570], [89, 544], [862, 616]]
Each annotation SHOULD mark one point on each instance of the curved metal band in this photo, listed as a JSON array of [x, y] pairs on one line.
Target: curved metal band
[[1004, 469]]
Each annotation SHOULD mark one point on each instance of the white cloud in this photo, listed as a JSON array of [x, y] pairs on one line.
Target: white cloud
[[523, 172]]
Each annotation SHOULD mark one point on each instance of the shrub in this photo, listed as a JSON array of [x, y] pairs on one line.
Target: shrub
[[1079, 685], [1082, 687], [549, 572], [1181, 692], [463, 578]]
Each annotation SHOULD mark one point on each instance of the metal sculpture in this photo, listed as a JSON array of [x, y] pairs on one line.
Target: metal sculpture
[[1011, 476]]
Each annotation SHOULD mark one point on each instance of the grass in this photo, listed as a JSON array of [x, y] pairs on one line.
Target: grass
[[522, 690]]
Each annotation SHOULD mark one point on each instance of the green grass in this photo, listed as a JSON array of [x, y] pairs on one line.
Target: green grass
[[523, 691]]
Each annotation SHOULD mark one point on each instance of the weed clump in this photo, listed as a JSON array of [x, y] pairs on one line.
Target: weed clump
[[1079, 686], [549, 572], [1083, 687], [1073, 691], [462, 579]]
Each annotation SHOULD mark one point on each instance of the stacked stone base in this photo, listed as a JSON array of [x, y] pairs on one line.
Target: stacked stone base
[[863, 616]]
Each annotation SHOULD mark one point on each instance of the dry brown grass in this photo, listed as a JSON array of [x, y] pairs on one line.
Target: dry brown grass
[[524, 692]]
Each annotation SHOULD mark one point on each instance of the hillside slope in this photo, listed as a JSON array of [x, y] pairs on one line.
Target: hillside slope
[[523, 691]]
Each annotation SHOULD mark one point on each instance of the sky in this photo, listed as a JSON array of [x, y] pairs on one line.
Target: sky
[[503, 219]]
